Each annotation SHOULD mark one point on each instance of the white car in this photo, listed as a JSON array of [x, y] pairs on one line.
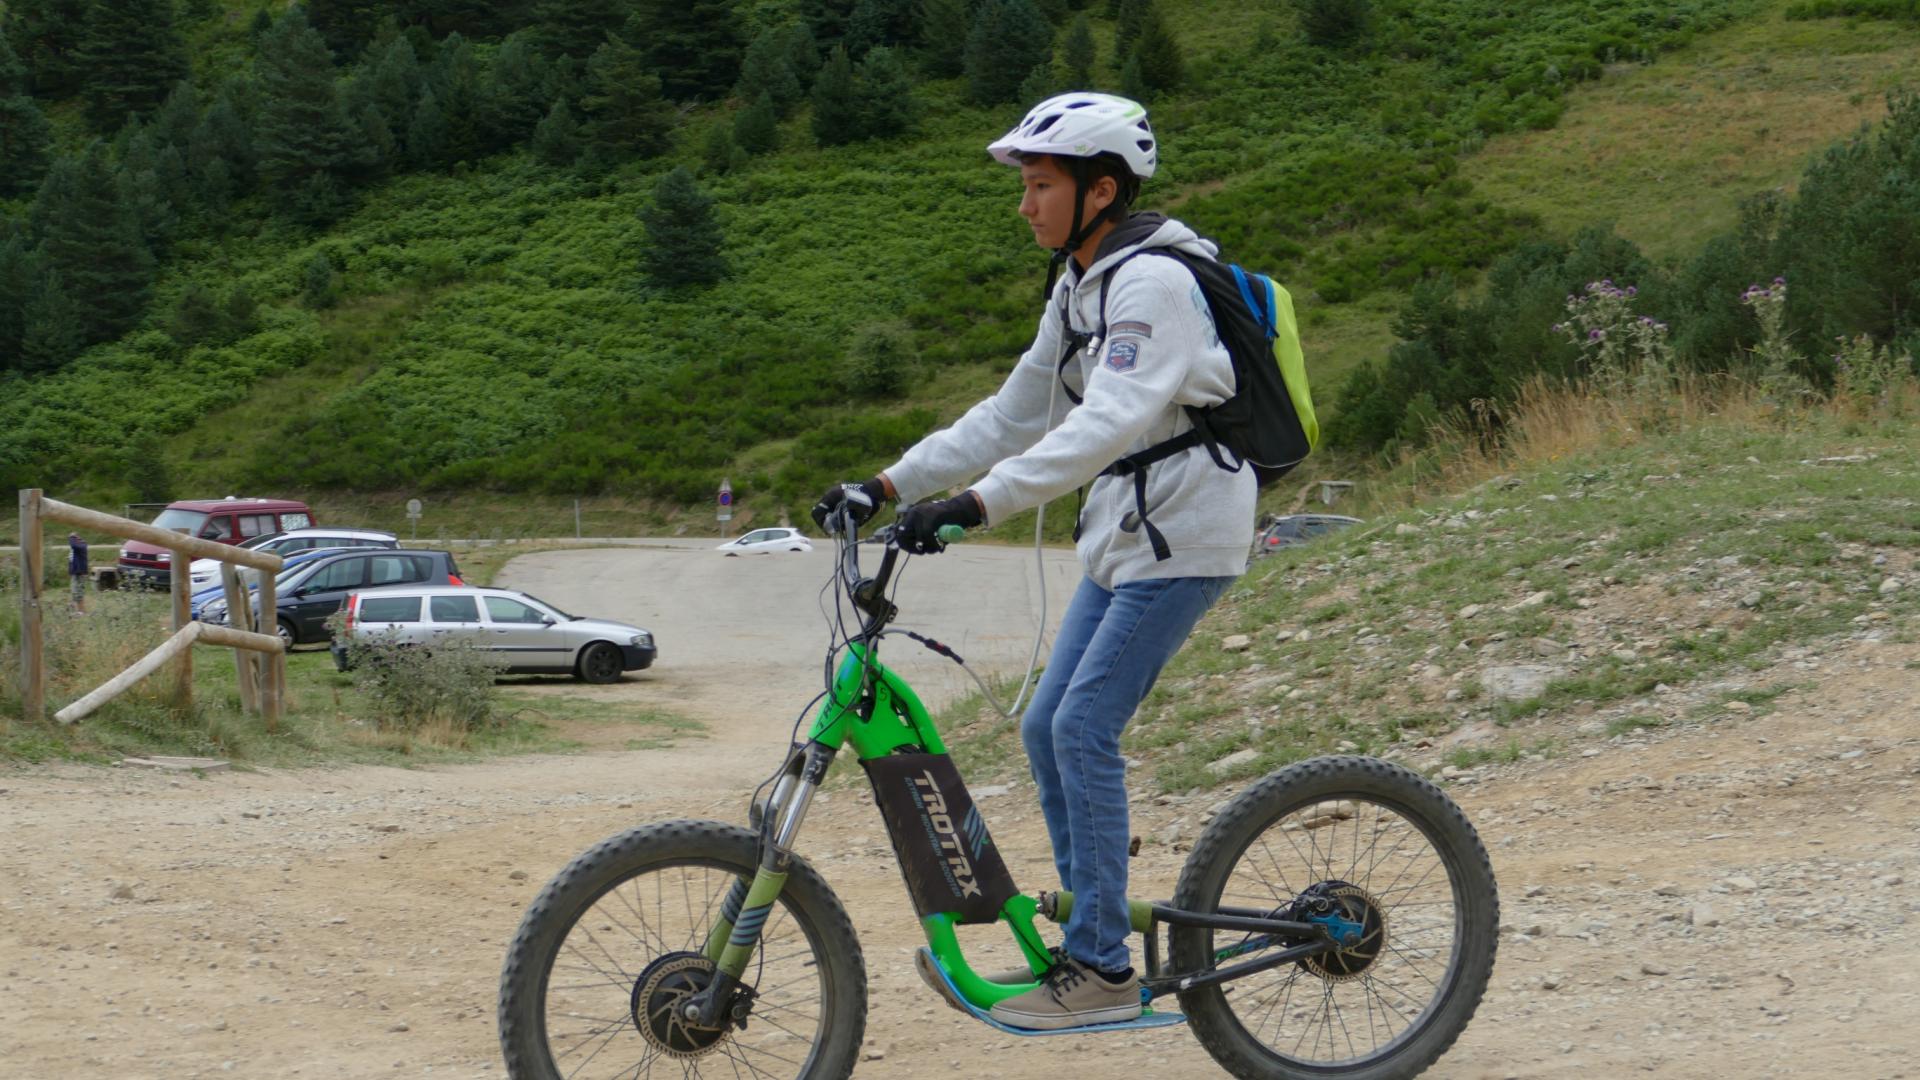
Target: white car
[[205, 572], [766, 542]]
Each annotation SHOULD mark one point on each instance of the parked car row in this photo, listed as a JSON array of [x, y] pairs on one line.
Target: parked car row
[[414, 597], [226, 521], [306, 594]]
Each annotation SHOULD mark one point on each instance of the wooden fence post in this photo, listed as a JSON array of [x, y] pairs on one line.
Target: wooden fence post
[[33, 647], [239, 610], [179, 585], [275, 682]]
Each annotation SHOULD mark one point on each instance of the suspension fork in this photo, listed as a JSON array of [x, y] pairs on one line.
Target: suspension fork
[[743, 913]]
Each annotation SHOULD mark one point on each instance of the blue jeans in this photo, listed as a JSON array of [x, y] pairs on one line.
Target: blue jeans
[[1111, 647]]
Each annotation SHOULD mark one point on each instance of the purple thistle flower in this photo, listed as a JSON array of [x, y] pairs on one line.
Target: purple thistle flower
[[1632, 291], [1596, 334], [1780, 281]]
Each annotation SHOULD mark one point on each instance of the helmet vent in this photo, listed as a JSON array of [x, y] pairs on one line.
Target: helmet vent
[[1145, 145], [1044, 124]]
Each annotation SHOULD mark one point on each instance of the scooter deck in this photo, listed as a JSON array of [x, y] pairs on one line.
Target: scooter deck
[[1147, 1019]]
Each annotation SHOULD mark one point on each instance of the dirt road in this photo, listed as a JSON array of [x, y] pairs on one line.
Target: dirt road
[[1737, 898]]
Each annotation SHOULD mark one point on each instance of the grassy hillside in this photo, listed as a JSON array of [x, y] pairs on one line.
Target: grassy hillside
[[1665, 152], [493, 332], [1632, 564]]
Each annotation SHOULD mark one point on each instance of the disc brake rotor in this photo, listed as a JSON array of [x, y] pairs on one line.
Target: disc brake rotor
[[657, 996], [1357, 922]]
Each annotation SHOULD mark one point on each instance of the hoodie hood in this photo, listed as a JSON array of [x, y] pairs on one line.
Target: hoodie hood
[[1146, 230]]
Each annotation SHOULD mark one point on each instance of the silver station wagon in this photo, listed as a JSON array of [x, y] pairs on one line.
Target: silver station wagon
[[532, 635]]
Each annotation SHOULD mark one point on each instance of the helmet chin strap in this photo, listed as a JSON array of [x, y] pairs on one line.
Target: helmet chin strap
[[1074, 239]]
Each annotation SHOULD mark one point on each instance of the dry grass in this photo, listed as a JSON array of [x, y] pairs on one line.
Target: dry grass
[[1666, 152]]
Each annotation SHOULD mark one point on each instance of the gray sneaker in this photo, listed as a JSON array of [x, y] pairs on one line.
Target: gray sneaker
[[1072, 996]]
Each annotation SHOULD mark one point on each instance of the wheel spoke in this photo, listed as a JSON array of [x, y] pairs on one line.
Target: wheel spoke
[[1357, 1002]]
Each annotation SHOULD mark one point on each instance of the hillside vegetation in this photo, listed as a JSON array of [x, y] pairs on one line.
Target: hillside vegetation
[[1634, 563], [483, 321]]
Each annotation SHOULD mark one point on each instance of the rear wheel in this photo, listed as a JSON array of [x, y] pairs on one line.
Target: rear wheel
[[614, 941], [287, 635], [1384, 859]]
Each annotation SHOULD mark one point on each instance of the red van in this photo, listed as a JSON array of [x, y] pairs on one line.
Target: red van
[[227, 521]]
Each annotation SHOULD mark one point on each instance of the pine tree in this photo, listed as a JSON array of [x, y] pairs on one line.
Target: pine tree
[[576, 27], [145, 471], [173, 124], [1038, 85], [1161, 65], [1332, 23], [25, 134], [943, 34], [378, 150], [427, 135], [628, 113], [1008, 40], [695, 46], [1127, 20], [241, 311], [1080, 53], [395, 83], [721, 154], [319, 288], [196, 317], [885, 93], [515, 90], [556, 139], [223, 136], [46, 34], [877, 23], [827, 20], [803, 53], [19, 285], [346, 25], [215, 185], [131, 57], [1132, 83], [303, 131], [54, 332], [683, 238], [456, 80], [836, 101], [756, 129], [767, 68], [90, 239]]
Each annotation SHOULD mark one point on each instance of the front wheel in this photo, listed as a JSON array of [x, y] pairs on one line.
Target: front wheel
[[601, 663], [616, 938], [1391, 865]]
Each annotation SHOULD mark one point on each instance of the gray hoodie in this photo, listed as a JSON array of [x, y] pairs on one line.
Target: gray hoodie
[[1160, 353]]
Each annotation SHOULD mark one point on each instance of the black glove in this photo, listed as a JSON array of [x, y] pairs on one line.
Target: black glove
[[918, 531], [862, 500]]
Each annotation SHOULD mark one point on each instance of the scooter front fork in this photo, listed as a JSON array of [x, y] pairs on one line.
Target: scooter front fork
[[743, 912]]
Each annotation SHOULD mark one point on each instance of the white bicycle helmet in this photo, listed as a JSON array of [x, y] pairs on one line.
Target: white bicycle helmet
[[1083, 124]]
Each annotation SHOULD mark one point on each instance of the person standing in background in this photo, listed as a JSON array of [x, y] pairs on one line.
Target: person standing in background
[[77, 572]]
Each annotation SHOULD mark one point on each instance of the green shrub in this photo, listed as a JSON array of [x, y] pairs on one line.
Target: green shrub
[[413, 687]]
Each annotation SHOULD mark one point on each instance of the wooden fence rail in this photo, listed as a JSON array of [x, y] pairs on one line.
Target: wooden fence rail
[[260, 658]]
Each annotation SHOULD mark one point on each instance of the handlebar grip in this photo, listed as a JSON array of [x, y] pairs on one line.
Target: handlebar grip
[[951, 534]]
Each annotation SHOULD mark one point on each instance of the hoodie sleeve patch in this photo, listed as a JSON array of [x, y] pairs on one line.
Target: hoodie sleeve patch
[[1123, 355], [1137, 329]]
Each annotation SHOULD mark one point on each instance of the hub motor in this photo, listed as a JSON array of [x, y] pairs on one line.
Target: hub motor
[[1355, 921], [658, 995]]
